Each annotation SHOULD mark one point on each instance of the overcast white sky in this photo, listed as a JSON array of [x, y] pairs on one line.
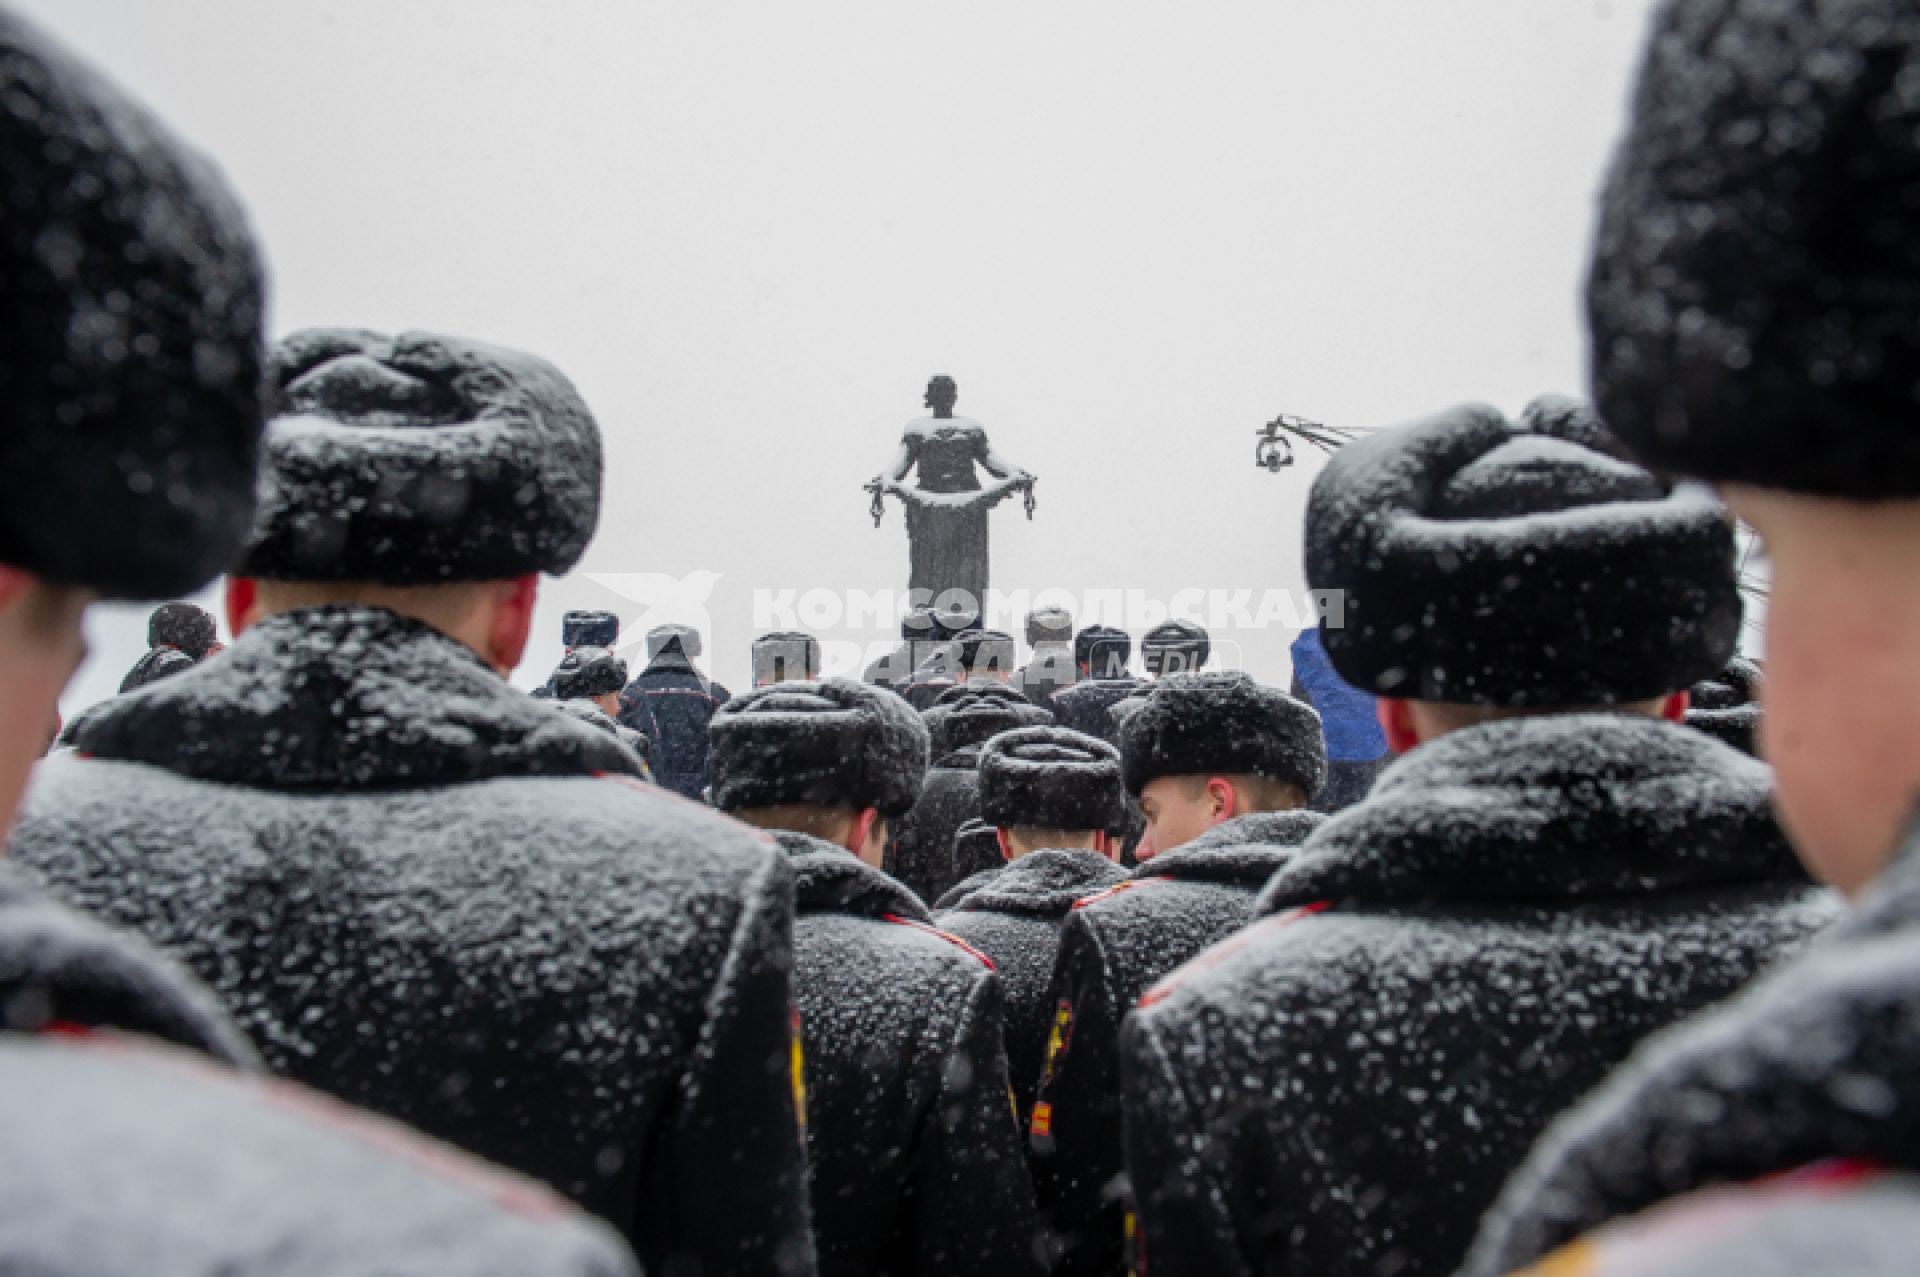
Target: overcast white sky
[[750, 232]]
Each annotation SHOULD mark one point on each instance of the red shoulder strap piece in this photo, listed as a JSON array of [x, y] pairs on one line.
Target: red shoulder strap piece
[[953, 940], [1209, 958], [1837, 1172], [1127, 884]]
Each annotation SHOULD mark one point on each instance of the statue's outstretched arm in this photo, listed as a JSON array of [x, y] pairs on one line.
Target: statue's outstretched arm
[[998, 466], [902, 460]]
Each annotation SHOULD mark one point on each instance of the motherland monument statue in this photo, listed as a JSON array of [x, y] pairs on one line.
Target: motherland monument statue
[[947, 508]]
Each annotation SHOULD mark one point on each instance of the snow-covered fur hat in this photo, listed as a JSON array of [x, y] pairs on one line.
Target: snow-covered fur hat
[[1727, 706], [185, 626], [1492, 563], [1756, 274], [1104, 650], [1051, 778], [1049, 625], [586, 672], [986, 649], [421, 460], [829, 743], [1222, 725], [589, 629], [682, 638], [1177, 647], [784, 656], [977, 711], [133, 346]]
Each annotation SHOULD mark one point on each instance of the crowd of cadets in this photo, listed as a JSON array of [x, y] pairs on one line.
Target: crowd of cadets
[[335, 954]]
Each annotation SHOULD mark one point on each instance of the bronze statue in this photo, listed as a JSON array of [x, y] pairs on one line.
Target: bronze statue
[[947, 509]]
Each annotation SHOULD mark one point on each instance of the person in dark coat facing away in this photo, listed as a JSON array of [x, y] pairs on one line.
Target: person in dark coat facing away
[[1229, 767], [1055, 798], [921, 852], [1102, 653], [671, 702], [1554, 869], [179, 636], [1751, 308], [386, 833], [1050, 634], [141, 1134], [587, 685], [916, 1164], [582, 629]]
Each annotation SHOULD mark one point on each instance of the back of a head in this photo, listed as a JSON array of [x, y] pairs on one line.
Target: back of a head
[[785, 656], [134, 345], [1051, 778], [1225, 725], [183, 627], [1755, 274], [1103, 650], [409, 461], [834, 743], [673, 640], [1518, 565], [1177, 647], [1049, 626]]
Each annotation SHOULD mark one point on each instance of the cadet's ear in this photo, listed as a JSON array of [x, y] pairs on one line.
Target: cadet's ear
[[511, 622], [1006, 844], [1226, 803], [243, 603], [1396, 720], [1674, 707]]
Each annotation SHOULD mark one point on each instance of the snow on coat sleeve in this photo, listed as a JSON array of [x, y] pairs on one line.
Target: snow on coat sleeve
[[1184, 1221], [730, 1195], [971, 1198], [1074, 1136]]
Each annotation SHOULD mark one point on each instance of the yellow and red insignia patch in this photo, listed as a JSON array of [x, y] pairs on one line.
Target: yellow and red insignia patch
[[797, 1061], [1042, 1125], [1058, 1038]]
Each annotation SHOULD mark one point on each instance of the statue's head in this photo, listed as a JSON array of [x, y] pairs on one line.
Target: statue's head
[[942, 394]]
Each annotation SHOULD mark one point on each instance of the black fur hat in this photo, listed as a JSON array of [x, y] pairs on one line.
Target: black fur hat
[[1756, 275], [976, 842], [1222, 725], [1051, 778], [1103, 649], [587, 672], [1049, 625], [1485, 562], [978, 711], [785, 656], [589, 629], [1727, 706], [133, 349], [986, 650], [828, 743], [1177, 647], [185, 626], [421, 460]]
